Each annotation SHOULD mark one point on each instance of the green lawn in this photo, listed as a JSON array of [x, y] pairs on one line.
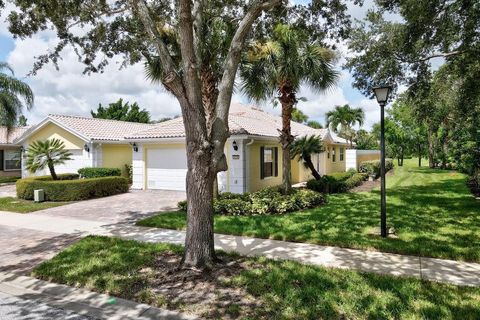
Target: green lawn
[[282, 289], [433, 212], [24, 206]]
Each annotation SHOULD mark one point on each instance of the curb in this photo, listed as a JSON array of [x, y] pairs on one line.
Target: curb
[[81, 301]]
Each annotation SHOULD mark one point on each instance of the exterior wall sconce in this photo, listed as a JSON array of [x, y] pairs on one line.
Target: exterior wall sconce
[[235, 146], [22, 149], [135, 147], [86, 147]]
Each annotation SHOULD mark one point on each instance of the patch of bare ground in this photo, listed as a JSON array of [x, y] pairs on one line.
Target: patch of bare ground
[[203, 293]]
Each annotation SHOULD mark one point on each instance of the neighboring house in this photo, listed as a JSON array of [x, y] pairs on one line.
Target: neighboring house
[[158, 157], [10, 152], [92, 142]]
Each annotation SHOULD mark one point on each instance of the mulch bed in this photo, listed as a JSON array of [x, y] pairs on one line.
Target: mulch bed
[[368, 186], [204, 293]]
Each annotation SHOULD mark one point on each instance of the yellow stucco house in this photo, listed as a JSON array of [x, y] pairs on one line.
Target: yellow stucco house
[[157, 151]]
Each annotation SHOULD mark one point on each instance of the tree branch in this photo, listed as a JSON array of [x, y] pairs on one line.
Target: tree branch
[[168, 65], [442, 55], [189, 59], [220, 124]]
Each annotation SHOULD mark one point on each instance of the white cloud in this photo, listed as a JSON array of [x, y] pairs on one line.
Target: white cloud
[[69, 91]]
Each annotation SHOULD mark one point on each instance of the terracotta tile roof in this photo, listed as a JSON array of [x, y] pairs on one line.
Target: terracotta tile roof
[[8, 136], [100, 129], [242, 120]]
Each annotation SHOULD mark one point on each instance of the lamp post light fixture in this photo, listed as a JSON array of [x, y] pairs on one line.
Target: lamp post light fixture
[[382, 94]]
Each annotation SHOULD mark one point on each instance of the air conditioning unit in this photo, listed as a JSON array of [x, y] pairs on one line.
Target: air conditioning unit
[[38, 195]]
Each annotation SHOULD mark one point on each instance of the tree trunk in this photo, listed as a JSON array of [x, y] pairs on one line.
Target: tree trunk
[[309, 163], [287, 100], [431, 149], [51, 167], [199, 242]]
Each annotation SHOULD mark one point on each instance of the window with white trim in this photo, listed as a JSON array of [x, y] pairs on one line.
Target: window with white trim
[[12, 160], [334, 159], [342, 153]]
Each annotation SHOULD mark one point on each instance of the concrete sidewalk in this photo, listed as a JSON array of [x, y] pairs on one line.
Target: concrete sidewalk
[[448, 271], [81, 301]]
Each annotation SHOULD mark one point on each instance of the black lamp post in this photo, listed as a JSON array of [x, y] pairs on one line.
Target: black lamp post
[[382, 93]]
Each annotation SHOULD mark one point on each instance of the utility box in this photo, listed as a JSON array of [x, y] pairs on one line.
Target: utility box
[[38, 195]]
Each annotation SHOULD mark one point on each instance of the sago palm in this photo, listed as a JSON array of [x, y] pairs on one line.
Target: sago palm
[[48, 153], [343, 118], [277, 69], [304, 148], [14, 96]]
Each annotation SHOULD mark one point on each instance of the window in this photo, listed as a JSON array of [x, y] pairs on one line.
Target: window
[[328, 152], [333, 155], [12, 160], [268, 162], [342, 153]]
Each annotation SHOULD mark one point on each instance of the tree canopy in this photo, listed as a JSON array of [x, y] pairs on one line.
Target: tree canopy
[[122, 111]]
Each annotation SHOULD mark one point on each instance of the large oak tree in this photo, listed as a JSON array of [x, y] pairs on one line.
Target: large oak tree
[[194, 50]]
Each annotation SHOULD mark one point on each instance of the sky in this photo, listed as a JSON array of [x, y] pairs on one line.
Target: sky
[[68, 91]]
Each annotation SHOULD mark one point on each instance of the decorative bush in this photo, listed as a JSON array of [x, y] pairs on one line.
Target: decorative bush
[[337, 182], [99, 172], [69, 189], [372, 168], [265, 201], [129, 170]]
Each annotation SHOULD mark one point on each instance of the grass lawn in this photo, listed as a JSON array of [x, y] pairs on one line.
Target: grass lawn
[[433, 212], [24, 206], [279, 289]]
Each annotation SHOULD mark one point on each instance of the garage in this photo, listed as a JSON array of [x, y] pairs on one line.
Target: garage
[[166, 168]]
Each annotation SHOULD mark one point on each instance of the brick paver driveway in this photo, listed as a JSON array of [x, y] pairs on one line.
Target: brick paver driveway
[[120, 208], [21, 249]]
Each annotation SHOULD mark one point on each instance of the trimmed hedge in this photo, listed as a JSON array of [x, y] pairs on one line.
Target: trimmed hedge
[[337, 182], [69, 189], [267, 201], [372, 168], [99, 172]]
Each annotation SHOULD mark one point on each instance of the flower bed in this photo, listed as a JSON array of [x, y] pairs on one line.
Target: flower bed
[[266, 201], [70, 188]]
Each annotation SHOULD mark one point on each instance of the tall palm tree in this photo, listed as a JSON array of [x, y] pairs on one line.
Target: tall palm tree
[[343, 118], [305, 147], [14, 95], [48, 153], [277, 68]]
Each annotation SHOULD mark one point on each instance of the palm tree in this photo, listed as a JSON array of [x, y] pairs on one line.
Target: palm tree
[[48, 153], [342, 120], [277, 68], [12, 92], [305, 147]]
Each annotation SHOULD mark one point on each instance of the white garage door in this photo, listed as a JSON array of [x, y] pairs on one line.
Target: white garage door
[[166, 169]]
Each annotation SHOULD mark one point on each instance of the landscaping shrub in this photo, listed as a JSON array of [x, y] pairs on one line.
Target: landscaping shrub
[[129, 170], [337, 182], [71, 190], [265, 201], [99, 172], [372, 168]]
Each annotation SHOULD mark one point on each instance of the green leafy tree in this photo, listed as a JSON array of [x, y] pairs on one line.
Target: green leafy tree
[[406, 52], [15, 95], [299, 116], [304, 148], [277, 68], [136, 30], [22, 121], [343, 118], [48, 153], [365, 140], [122, 111], [314, 124]]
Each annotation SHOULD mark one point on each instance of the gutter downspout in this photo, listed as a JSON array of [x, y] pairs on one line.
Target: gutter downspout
[[246, 168]]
